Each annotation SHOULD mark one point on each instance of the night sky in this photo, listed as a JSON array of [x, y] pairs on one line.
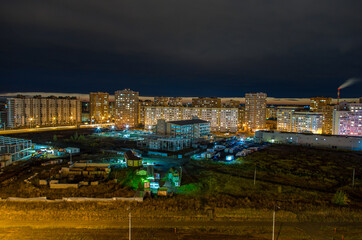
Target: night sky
[[182, 48]]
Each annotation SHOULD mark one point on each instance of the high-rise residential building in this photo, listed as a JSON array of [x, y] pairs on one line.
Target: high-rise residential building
[[3, 112], [126, 105], [232, 103], [142, 108], [271, 112], [99, 107], [327, 111], [85, 115], [221, 119], [42, 111], [209, 102], [112, 110], [175, 102], [317, 103], [255, 110], [241, 117], [307, 122], [161, 101], [348, 121], [284, 118]]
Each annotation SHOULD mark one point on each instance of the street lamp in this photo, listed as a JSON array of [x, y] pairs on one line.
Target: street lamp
[[31, 122]]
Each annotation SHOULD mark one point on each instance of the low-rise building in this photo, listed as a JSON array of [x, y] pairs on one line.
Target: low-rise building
[[309, 139], [14, 149], [165, 144], [132, 160], [188, 129]]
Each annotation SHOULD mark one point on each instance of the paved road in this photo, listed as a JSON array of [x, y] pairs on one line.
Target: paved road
[[43, 129]]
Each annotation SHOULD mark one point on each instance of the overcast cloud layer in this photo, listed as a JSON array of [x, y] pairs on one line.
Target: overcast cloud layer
[[182, 48]]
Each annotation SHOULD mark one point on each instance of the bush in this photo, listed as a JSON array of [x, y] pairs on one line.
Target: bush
[[340, 198]]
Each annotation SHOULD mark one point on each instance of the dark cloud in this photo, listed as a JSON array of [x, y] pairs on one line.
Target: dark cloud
[[171, 47]]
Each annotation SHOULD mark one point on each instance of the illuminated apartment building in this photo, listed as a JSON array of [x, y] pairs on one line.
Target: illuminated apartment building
[[126, 106], [231, 103], [209, 102], [175, 102], [317, 103], [348, 122], [154, 113], [284, 118], [99, 107], [327, 111], [221, 119], [271, 112], [241, 118], [112, 110], [142, 107], [161, 101], [255, 110], [43, 111], [307, 122]]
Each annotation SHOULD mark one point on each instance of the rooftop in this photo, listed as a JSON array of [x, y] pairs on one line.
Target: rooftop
[[312, 134], [130, 155], [188, 122]]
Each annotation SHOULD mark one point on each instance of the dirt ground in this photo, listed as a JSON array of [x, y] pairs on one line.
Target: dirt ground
[[178, 230]]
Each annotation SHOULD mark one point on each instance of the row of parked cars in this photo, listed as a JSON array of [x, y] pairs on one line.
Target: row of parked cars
[[228, 150]]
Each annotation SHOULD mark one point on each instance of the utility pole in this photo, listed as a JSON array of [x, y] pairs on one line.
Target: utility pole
[[275, 208], [254, 176], [354, 170], [273, 223], [130, 224]]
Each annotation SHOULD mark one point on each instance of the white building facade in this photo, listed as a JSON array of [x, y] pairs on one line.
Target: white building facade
[[348, 122]]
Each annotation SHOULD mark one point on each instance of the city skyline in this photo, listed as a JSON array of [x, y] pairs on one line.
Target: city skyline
[[270, 99]]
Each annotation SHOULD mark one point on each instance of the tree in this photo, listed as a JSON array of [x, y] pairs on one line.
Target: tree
[[55, 138], [340, 198]]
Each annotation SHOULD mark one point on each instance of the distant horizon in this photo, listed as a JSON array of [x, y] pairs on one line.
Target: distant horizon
[[270, 100]]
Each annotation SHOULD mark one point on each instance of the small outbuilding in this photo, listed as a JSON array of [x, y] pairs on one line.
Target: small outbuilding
[[132, 160]]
